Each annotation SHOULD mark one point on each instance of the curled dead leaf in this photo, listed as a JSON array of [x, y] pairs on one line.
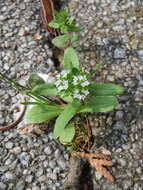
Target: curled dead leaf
[[98, 161]]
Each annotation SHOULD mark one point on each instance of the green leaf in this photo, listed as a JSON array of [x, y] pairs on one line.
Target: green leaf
[[47, 89], [41, 113], [62, 15], [67, 134], [106, 89], [30, 103], [75, 40], [61, 41], [40, 99], [34, 80], [77, 29], [100, 104], [54, 24], [71, 59], [65, 117], [68, 99]]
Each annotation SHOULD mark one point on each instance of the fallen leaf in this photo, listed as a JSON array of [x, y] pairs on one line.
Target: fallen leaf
[[32, 130], [98, 161], [48, 7], [98, 165]]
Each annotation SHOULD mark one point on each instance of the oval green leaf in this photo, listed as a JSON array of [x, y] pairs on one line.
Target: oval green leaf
[[61, 41], [71, 59], [67, 134], [41, 113], [47, 89], [65, 117], [100, 104], [34, 80], [106, 89]]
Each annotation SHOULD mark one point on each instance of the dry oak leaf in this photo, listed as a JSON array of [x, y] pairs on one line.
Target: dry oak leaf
[[98, 161]]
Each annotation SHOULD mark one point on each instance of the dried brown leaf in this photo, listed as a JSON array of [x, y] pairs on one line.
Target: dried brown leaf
[[97, 164], [48, 14], [91, 155], [32, 130], [98, 161]]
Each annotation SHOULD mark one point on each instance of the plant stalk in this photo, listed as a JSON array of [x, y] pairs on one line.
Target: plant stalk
[[24, 90]]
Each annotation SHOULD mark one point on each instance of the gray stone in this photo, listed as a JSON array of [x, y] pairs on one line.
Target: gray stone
[[9, 145], [140, 54], [20, 185], [119, 53], [39, 172], [21, 32], [122, 162], [98, 175], [62, 162], [35, 188], [25, 159], [29, 178], [16, 150], [9, 177], [119, 115], [48, 150], [120, 125], [52, 176], [42, 178], [3, 186]]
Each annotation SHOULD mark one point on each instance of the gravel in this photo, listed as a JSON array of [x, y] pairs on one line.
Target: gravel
[[25, 163], [112, 37]]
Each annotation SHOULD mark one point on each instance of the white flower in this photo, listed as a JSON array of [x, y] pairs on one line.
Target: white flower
[[76, 91], [75, 80], [86, 92], [58, 82], [65, 84], [86, 83], [64, 73], [60, 88], [83, 97], [58, 76], [80, 77]]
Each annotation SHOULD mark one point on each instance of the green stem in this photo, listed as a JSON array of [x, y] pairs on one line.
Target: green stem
[[24, 90], [14, 84]]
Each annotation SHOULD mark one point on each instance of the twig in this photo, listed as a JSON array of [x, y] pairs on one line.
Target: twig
[[13, 124]]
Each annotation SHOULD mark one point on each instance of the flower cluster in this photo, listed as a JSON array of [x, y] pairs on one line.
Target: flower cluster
[[74, 85]]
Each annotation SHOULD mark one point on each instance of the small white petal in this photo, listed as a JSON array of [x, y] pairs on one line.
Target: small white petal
[[86, 83], [76, 91], [86, 92], [64, 73], [60, 88], [80, 77], [58, 76], [75, 82], [58, 82]]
